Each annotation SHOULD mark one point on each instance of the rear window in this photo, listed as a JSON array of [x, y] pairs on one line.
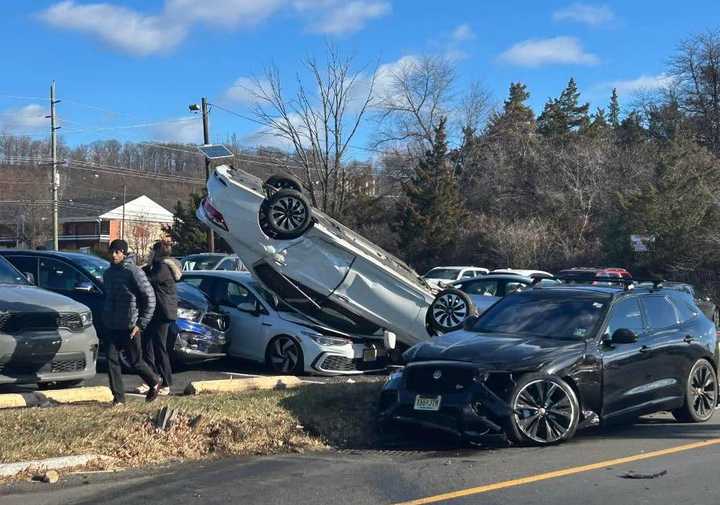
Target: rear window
[[564, 317], [660, 312], [449, 274]]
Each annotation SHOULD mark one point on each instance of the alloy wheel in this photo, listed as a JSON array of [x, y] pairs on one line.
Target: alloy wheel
[[284, 354], [703, 390], [288, 213], [449, 310], [543, 411]]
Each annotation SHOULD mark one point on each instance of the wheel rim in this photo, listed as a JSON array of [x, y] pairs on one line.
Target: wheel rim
[[543, 411], [703, 391], [449, 310], [284, 354], [288, 213]]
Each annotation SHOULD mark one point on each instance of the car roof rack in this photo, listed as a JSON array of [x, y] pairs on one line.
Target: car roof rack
[[626, 283]]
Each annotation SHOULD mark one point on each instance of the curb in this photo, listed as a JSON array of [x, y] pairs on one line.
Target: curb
[[12, 469], [241, 385], [61, 396]]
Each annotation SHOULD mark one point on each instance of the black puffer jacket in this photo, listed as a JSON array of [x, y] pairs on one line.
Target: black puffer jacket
[[162, 277], [129, 297]]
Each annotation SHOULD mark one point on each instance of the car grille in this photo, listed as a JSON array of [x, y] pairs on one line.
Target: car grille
[[60, 364], [16, 322], [338, 364], [439, 379], [67, 365]]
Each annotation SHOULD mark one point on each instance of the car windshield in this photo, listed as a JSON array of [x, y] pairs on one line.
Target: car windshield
[[93, 265], [566, 317], [201, 262], [8, 275], [443, 273]]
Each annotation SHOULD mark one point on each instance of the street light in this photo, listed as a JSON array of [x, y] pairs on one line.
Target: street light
[[206, 140]]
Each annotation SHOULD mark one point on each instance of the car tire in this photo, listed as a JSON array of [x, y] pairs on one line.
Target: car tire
[[449, 310], [60, 384], [544, 410], [284, 355], [699, 406], [285, 215], [279, 181]]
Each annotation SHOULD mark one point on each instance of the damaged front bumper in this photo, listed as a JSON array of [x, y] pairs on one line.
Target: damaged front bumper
[[197, 342]]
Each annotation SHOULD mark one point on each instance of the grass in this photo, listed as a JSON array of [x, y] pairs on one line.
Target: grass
[[309, 418]]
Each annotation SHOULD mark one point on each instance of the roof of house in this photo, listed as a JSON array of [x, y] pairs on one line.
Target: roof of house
[[141, 208]]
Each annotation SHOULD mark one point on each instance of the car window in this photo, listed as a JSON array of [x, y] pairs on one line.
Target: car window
[[626, 315], [57, 275], [195, 281], [9, 274], [26, 264], [230, 293], [487, 287], [660, 312], [449, 274], [225, 265], [468, 274], [686, 309], [513, 286]]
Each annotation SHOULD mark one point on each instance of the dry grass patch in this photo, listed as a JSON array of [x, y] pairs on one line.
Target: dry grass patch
[[262, 422]]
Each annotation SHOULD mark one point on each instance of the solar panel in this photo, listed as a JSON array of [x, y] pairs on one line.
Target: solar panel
[[215, 151]]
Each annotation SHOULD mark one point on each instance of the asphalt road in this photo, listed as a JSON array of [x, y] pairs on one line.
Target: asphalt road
[[685, 474]]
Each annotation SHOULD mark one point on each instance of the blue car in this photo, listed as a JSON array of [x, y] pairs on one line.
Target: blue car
[[198, 334]]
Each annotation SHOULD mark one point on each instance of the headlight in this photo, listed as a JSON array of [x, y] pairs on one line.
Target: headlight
[[191, 314], [325, 340], [86, 319]]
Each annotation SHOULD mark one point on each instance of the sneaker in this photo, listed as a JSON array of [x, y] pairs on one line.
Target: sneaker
[[152, 393], [164, 391], [142, 389], [117, 403]]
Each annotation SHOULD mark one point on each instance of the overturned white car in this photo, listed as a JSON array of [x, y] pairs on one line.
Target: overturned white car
[[321, 268]]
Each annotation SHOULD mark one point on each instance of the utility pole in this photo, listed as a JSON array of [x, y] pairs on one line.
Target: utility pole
[[122, 224], [55, 176], [206, 140]]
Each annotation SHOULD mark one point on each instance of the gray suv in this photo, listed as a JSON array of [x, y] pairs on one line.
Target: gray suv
[[45, 338]]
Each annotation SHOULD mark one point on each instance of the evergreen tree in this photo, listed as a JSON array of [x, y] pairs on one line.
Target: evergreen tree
[[564, 115], [614, 111], [431, 212], [516, 117], [598, 125]]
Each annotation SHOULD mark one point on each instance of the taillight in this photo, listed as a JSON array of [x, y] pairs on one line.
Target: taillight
[[214, 215]]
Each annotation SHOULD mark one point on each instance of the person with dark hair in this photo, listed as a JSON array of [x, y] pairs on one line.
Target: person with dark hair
[[129, 307], [162, 272]]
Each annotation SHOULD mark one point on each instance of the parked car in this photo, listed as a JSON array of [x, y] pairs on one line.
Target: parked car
[[541, 363], [211, 261], [265, 330], [486, 290], [319, 267], [442, 276], [45, 338], [584, 275], [702, 300], [79, 276], [520, 271]]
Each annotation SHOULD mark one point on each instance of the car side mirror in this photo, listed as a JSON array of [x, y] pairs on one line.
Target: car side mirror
[[249, 307], [84, 287], [469, 323], [623, 336]]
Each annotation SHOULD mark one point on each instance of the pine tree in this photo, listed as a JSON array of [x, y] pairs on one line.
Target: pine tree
[[564, 115], [614, 112], [432, 212], [516, 117]]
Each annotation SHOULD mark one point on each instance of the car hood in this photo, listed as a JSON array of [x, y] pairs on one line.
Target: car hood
[[34, 299], [496, 351]]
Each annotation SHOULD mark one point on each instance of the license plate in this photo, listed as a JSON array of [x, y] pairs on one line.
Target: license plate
[[427, 402]]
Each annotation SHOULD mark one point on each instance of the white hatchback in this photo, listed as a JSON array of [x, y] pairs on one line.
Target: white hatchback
[[321, 268], [265, 330]]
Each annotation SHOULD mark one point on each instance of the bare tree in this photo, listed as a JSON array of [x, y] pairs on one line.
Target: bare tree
[[319, 120]]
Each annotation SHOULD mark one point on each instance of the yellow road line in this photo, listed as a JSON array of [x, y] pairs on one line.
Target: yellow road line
[[558, 473]]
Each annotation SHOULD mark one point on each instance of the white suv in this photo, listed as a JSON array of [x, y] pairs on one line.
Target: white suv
[[321, 268], [445, 276], [266, 330]]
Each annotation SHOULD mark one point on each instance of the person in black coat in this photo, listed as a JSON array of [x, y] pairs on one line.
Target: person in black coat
[[163, 273]]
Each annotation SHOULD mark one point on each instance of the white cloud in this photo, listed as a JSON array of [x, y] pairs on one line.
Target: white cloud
[[186, 130], [642, 83], [385, 76], [223, 12], [350, 17], [28, 118], [583, 13], [245, 90], [119, 27], [556, 50], [463, 33]]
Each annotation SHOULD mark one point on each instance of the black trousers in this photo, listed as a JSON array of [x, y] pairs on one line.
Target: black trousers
[[155, 349], [119, 340]]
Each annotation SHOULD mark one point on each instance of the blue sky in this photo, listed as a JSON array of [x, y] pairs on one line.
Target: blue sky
[[122, 64]]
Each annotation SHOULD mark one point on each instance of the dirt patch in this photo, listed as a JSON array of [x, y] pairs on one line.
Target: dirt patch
[[310, 418]]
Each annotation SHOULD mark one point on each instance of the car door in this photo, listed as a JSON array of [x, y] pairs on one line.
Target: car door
[[248, 318], [627, 368], [60, 276]]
